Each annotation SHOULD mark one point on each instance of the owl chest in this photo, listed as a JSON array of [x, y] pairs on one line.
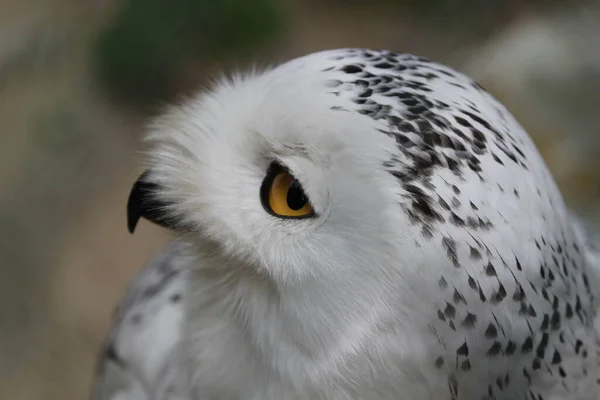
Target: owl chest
[[225, 364]]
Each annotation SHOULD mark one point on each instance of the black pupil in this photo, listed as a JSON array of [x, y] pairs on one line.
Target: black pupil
[[295, 196]]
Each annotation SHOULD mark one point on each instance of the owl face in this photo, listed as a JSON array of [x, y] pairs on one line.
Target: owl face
[[266, 169]]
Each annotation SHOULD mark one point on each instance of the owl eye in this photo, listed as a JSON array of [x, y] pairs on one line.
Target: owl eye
[[282, 195]]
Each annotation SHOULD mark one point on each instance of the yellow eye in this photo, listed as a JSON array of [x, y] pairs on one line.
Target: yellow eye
[[283, 196]]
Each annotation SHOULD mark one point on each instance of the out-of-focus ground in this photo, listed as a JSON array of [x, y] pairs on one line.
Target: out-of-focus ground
[[69, 152]]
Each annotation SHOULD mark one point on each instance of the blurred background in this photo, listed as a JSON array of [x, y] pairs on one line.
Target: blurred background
[[79, 78]]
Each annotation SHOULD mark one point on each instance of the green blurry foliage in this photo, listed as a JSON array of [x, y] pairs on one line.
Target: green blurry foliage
[[138, 56]]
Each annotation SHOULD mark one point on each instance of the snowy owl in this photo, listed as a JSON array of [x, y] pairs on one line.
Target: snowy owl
[[354, 224]]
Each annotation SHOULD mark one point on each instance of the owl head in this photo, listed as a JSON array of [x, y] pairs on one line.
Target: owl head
[[345, 163]]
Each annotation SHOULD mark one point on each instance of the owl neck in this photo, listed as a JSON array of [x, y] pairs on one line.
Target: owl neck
[[304, 329]]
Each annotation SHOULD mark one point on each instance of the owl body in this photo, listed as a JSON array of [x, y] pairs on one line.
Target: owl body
[[420, 249]]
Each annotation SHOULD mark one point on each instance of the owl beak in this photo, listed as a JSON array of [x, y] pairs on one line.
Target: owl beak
[[144, 203]]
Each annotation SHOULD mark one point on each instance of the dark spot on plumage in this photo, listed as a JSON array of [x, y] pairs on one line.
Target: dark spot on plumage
[[402, 95], [465, 365], [477, 119], [463, 350], [494, 350], [564, 268], [458, 298], [491, 332], [469, 321], [532, 286], [443, 203], [578, 308], [352, 69], [338, 108], [444, 72], [518, 264], [425, 75], [495, 157], [474, 164], [439, 362], [556, 358], [519, 294], [527, 345], [490, 393], [474, 254], [519, 151], [417, 110], [366, 93], [562, 372], [498, 295], [451, 325], [542, 272], [455, 202], [479, 138], [422, 206], [441, 316], [456, 220], [482, 295], [510, 348], [526, 375], [568, 311], [535, 365], [472, 283], [427, 231], [463, 122], [531, 311], [508, 153], [545, 294], [452, 164], [443, 284], [545, 323], [449, 245], [450, 310], [555, 321], [461, 135], [499, 383], [453, 387], [472, 222], [490, 270], [541, 349], [410, 102], [403, 140]]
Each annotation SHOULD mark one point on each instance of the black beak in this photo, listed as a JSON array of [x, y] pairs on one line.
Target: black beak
[[144, 203]]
